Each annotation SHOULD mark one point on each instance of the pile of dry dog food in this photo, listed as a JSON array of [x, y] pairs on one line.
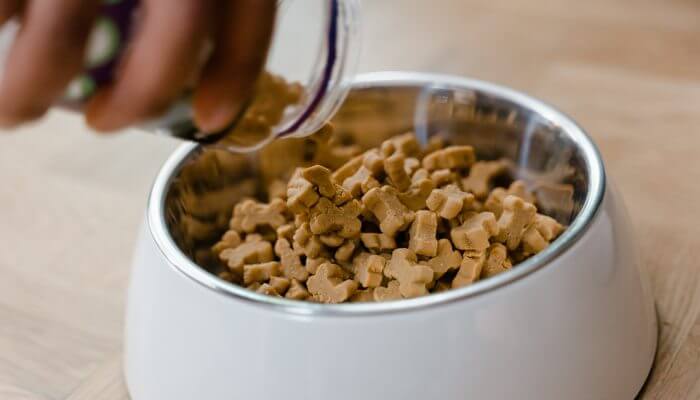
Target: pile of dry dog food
[[398, 221]]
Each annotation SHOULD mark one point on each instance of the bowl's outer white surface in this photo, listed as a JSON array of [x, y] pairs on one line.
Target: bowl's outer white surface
[[582, 327]]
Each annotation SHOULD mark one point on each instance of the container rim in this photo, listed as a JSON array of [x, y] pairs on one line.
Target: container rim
[[177, 260]]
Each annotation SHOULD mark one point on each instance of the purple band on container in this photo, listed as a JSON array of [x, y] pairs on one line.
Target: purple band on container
[[327, 71], [121, 14]]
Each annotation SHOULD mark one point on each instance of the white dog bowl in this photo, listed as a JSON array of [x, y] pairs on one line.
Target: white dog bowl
[[576, 321]]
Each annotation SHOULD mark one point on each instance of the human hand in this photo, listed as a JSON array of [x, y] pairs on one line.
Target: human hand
[[163, 57]]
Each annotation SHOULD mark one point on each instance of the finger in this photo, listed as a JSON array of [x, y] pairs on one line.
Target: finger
[[46, 54], [8, 9], [240, 51], [157, 66]]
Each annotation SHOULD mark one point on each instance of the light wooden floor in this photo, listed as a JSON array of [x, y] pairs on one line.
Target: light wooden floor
[[627, 70]]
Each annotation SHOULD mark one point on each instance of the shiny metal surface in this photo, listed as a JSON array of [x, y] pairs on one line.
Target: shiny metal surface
[[546, 147]]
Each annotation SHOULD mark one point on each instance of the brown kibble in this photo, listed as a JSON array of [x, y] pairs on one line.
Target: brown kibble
[[496, 261], [347, 170], [363, 296], [475, 232], [393, 216], [388, 293], [378, 242], [312, 264], [344, 252], [297, 291], [326, 286], [446, 259], [411, 165], [422, 234], [248, 215], [494, 202], [417, 195], [300, 193], [320, 177], [443, 177], [286, 231], [516, 216], [469, 269], [306, 243], [230, 240], [394, 167], [280, 284], [360, 182], [267, 289], [331, 240], [405, 144], [480, 176], [452, 157], [449, 201], [343, 220], [537, 236], [290, 261], [435, 143], [254, 250], [197, 229], [413, 277], [368, 269], [373, 160], [261, 272]]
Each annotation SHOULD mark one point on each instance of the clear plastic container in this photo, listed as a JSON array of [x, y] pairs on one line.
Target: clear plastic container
[[315, 45]]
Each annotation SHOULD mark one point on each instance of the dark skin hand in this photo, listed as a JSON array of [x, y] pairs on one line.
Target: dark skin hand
[[161, 61]]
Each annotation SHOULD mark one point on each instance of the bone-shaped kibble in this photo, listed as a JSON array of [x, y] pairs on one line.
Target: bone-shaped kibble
[[290, 261], [369, 269], [301, 194], [517, 215], [405, 144], [312, 264], [446, 259], [261, 272], [538, 235], [327, 217], [360, 182], [378, 242], [267, 289], [347, 170], [331, 240], [494, 202], [480, 176], [469, 269], [363, 296], [280, 284], [496, 261], [320, 177], [297, 291], [475, 232], [248, 215], [417, 195], [344, 252], [286, 231], [450, 158], [411, 165], [449, 201], [230, 240], [253, 250], [443, 177], [373, 160], [413, 277], [419, 175], [326, 286], [393, 216], [307, 243], [422, 234], [390, 292], [394, 168]]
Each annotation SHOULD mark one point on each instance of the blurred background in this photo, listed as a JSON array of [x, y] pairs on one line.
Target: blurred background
[[627, 70]]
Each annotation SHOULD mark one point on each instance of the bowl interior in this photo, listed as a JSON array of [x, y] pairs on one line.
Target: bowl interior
[[546, 150]]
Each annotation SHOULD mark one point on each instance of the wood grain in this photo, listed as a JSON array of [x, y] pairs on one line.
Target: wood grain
[[627, 70]]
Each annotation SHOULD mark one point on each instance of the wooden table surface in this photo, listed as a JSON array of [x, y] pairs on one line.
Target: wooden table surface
[[627, 70]]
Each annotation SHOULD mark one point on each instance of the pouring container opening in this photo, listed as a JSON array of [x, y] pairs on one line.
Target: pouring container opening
[[546, 149]]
